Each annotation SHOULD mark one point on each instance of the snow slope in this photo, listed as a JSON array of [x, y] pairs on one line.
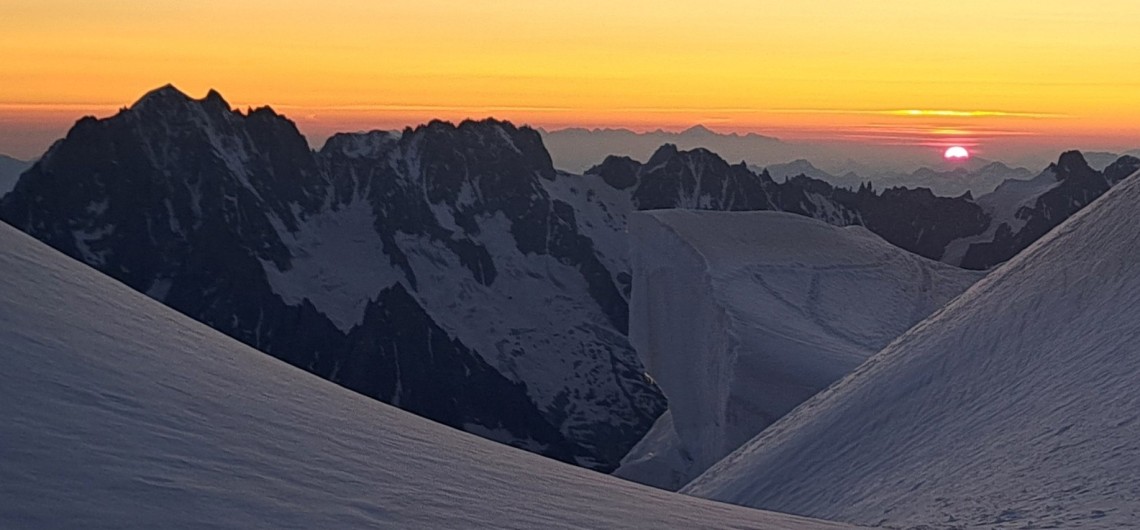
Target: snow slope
[[741, 316], [121, 413], [1016, 406]]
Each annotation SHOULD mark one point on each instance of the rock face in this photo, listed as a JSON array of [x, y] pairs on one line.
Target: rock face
[[1013, 406], [742, 316]]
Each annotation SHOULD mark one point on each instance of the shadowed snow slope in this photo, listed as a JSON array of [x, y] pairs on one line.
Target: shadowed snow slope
[[741, 316], [121, 413], [1015, 406]]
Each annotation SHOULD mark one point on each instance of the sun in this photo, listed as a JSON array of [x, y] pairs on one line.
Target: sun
[[956, 153]]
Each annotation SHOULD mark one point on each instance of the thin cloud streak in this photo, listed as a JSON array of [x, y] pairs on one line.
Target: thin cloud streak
[[398, 107], [927, 113]]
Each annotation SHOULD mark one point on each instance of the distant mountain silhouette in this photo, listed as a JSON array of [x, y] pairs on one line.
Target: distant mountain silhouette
[[10, 170], [577, 149], [976, 177]]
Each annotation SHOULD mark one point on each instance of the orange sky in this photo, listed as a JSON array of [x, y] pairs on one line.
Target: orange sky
[[1042, 72]]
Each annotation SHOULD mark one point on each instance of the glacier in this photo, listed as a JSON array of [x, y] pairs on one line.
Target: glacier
[[1015, 406], [741, 316], [122, 413]]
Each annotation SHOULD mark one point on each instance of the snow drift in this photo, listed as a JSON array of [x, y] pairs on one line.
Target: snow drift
[[1015, 406], [742, 316], [121, 413]]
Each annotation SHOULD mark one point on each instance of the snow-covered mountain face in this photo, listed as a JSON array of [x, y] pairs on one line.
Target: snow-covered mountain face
[[121, 413], [741, 316], [10, 170], [1014, 406], [1022, 211], [466, 216], [430, 270]]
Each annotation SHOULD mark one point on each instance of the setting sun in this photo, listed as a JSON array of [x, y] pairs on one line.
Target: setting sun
[[956, 153]]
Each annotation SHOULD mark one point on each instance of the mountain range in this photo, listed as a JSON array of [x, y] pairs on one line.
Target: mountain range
[[974, 177], [578, 149], [449, 270]]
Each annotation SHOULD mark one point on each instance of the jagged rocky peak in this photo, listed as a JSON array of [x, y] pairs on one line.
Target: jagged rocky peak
[[166, 94], [663, 154], [168, 97], [809, 184], [169, 170], [478, 167], [995, 166], [698, 179], [699, 129], [695, 159], [1072, 164], [620, 172], [801, 166], [370, 144], [1121, 169], [487, 142], [173, 113]]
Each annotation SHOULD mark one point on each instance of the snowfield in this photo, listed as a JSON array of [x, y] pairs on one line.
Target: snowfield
[[1016, 406], [121, 413], [742, 316]]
